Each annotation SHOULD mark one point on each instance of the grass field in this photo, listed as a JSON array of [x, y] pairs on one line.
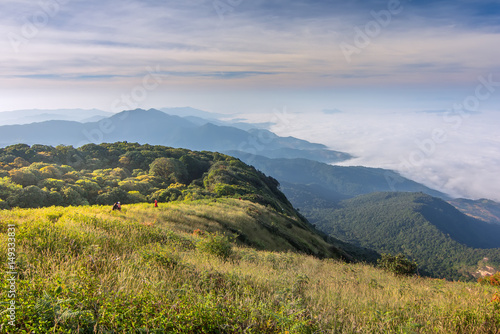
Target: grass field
[[224, 266]]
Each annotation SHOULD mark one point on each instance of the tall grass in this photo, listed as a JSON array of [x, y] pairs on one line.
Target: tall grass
[[90, 270]]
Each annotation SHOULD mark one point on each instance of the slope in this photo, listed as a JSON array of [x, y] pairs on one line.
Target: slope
[[161, 270], [443, 241], [484, 209], [337, 180]]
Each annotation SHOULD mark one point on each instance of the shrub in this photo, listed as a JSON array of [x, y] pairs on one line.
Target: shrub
[[491, 280], [160, 256], [216, 244], [3, 204], [398, 264]]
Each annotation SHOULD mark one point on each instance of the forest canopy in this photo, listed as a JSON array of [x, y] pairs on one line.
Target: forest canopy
[[39, 175]]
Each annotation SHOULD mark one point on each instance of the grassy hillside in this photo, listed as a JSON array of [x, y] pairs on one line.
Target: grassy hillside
[[178, 268], [443, 241]]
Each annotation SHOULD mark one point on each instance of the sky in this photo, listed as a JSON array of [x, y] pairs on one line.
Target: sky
[[389, 71]]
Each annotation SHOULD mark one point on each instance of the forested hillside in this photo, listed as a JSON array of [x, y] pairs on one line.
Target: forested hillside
[[444, 242], [42, 175], [333, 181]]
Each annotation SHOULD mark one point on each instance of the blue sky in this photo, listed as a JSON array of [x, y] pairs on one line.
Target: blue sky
[[227, 55]]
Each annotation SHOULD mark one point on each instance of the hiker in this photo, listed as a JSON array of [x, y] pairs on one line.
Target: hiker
[[117, 206], [156, 203]]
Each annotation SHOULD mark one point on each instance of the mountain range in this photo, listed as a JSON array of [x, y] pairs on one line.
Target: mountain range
[[28, 116], [463, 232], [158, 128]]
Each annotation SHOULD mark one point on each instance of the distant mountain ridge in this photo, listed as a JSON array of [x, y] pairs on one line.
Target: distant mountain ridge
[[483, 209], [27, 116], [158, 128], [334, 181]]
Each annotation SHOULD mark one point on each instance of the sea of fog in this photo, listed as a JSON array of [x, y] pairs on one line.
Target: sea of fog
[[456, 153]]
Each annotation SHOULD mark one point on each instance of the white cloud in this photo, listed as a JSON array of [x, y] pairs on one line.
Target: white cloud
[[463, 165]]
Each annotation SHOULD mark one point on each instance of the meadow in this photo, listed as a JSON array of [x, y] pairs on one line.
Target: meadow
[[184, 267]]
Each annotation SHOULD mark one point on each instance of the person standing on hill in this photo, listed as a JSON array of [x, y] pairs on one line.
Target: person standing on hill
[[156, 203]]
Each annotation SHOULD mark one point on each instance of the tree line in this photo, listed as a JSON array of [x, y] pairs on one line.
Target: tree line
[[40, 175]]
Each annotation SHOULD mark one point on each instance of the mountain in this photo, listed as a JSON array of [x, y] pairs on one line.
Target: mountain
[[338, 181], [346, 203], [188, 111], [442, 240], [41, 115], [158, 128], [39, 176], [484, 209], [202, 117], [49, 133]]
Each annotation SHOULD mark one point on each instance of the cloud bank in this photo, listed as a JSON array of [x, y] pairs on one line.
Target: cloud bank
[[461, 160]]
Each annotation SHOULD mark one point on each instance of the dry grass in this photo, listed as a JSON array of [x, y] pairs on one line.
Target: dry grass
[[87, 269]]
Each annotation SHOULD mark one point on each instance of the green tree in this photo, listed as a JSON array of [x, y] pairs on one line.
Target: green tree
[[29, 197], [8, 188], [54, 198], [51, 184], [23, 176], [50, 172], [113, 196], [20, 162], [195, 167], [72, 197], [90, 189], [3, 205], [135, 197], [169, 169]]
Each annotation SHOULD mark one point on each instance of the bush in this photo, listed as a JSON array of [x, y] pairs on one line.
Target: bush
[[3, 205], [399, 264], [216, 244], [493, 280]]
